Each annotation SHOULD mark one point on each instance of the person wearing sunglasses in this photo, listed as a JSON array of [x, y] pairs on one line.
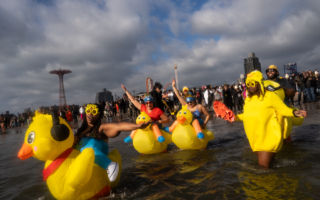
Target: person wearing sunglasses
[[196, 109], [261, 125], [156, 114], [94, 134], [273, 74]]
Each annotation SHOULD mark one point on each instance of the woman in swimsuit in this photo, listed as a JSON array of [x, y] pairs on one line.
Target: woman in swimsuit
[[94, 134], [156, 114], [196, 109]]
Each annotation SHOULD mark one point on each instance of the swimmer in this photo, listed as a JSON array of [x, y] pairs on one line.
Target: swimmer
[[93, 134], [260, 123]]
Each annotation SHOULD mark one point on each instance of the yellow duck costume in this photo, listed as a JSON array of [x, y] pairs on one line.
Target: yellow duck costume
[[286, 122], [149, 141], [185, 136], [263, 130], [69, 174]]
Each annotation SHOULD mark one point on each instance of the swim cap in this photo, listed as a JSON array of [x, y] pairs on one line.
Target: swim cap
[[148, 98], [189, 99], [185, 88]]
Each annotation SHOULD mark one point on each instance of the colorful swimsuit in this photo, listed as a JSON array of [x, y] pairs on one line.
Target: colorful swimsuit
[[100, 147], [197, 115]]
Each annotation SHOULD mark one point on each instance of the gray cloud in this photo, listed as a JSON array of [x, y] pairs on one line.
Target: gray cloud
[[106, 43]]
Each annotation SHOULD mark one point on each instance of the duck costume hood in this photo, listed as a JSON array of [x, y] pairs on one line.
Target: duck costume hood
[[258, 77]]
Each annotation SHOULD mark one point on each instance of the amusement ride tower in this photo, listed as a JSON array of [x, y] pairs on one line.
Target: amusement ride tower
[[62, 97], [175, 66]]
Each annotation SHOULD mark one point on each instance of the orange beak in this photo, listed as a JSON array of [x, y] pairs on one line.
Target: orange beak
[[25, 152], [181, 119], [139, 122]]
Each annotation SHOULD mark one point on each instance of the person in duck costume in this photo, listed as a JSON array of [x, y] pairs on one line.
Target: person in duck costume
[[286, 122], [260, 119], [186, 136], [149, 140]]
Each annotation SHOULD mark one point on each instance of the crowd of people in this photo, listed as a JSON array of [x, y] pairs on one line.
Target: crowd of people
[[305, 85]]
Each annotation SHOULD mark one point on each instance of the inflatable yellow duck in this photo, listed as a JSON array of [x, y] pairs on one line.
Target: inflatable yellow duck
[[69, 174], [185, 136], [150, 140], [260, 121], [286, 122]]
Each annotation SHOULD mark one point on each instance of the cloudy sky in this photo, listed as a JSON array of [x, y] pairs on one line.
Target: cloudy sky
[[106, 43]]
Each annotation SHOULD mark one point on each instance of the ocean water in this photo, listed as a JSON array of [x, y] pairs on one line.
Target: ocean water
[[226, 170]]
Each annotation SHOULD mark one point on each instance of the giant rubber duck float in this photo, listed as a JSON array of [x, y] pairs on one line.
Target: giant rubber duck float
[[149, 140], [68, 173], [187, 133]]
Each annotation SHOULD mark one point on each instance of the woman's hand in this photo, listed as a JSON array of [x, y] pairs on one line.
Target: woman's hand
[[300, 113], [144, 124], [203, 126], [124, 88], [173, 82]]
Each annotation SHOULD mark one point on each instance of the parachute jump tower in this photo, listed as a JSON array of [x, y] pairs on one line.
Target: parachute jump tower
[[62, 97]]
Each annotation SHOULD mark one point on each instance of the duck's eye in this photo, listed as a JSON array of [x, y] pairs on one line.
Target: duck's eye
[[139, 118], [31, 137], [143, 118], [180, 112], [185, 112]]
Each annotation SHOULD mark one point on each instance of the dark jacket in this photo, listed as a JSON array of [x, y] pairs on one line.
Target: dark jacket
[[157, 99], [309, 81], [300, 80]]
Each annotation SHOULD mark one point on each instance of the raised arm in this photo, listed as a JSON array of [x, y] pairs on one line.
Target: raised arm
[[132, 99], [182, 101], [113, 129]]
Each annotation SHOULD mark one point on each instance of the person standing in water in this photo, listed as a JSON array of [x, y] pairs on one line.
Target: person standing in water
[[259, 119], [272, 73]]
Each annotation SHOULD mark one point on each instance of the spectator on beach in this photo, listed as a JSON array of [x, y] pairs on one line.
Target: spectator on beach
[[156, 94], [208, 97], [299, 80], [309, 82], [227, 98], [81, 110]]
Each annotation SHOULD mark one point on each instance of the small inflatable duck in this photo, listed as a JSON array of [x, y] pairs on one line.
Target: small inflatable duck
[[150, 140], [69, 174], [185, 136]]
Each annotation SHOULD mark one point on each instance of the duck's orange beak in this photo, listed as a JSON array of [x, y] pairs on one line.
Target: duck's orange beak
[[25, 152], [139, 122], [181, 119]]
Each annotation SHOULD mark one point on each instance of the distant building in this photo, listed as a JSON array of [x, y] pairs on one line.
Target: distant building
[[105, 95], [251, 63]]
